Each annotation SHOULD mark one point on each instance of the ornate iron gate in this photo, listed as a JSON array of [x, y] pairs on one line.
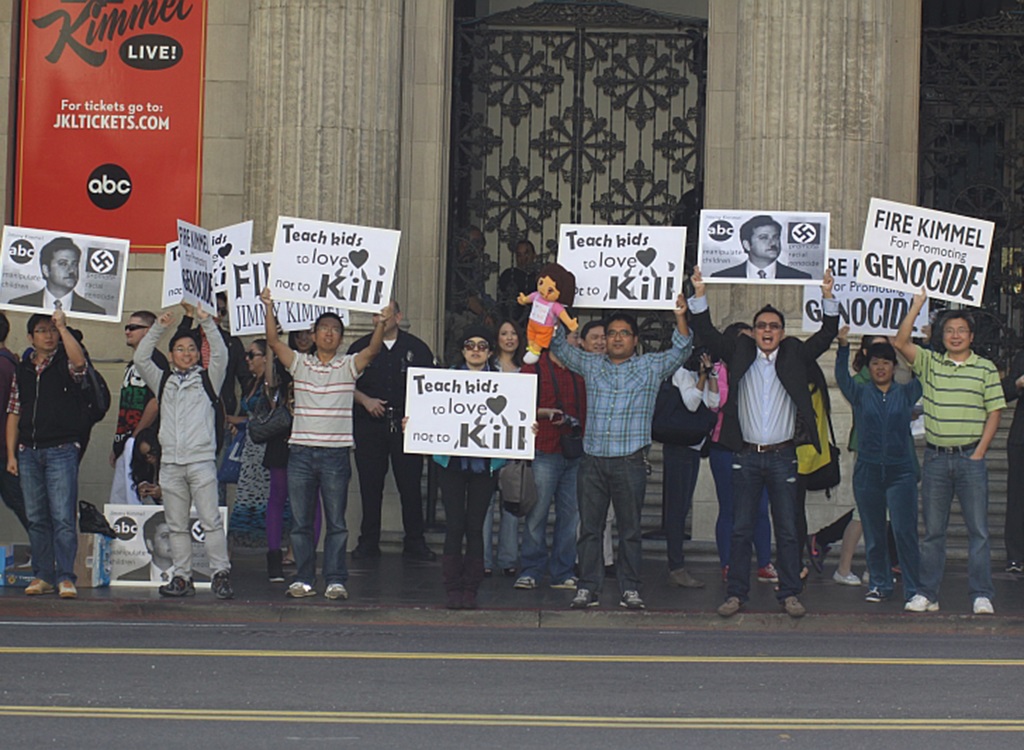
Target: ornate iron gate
[[567, 112], [972, 153]]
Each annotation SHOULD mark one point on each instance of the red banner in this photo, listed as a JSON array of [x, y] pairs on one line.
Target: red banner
[[110, 117]]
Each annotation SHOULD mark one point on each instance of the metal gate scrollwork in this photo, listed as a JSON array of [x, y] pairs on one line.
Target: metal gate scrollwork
[[566, 112]]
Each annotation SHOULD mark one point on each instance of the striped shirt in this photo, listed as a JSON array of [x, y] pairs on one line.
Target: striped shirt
[[323, 400], [957, 397]]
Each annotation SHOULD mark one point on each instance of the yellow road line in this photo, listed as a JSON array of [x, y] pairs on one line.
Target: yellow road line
[[521, 720], [553, 658]]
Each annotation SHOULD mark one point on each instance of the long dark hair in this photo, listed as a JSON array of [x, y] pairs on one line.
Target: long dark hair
[[517, 355], [139, 466]]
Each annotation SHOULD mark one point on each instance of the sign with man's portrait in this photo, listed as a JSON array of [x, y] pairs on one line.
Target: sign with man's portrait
[[762, 247], [467, 414], [82, 274]]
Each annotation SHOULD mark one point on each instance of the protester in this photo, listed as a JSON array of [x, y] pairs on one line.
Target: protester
[[10, 485], [247, 526], [144, 466]]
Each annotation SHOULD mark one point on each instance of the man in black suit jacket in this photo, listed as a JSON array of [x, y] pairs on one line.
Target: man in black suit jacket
[[59, 261], [761, 237], [767, 414]]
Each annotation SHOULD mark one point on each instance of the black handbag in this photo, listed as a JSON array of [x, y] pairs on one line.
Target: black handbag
[[270, 420], [674, 424], [572, 441]]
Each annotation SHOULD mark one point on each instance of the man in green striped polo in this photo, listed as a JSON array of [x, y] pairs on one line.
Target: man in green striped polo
[[962, 402]]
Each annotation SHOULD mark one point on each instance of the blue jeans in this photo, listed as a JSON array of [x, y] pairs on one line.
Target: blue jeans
[[879, 489], [753, 473], [621, 482], [682, 465], [942, 476], [508, 537], [555, 476], [313, 473], [49, 482], [721, 460]]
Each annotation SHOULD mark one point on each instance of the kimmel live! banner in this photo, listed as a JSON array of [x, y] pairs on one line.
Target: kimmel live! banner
[[109, 130]]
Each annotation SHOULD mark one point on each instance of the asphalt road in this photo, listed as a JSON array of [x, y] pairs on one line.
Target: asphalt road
[[140, 685]]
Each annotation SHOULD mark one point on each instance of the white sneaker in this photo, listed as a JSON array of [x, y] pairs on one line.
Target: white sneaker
[[336, 591], [983, 606], [298, 590], [850, 579], [921, 603], [525, 582]]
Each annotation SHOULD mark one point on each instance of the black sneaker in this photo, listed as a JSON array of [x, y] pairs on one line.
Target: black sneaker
[[178, 586], [874, 595], [419, 553], [365, 552], [584, 598], [631, 600], [1013, 566], [221, 585]]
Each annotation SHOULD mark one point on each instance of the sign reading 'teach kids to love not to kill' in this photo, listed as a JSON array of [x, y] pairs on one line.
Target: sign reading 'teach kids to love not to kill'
[[624, 266], [340, 265], [470, 414]]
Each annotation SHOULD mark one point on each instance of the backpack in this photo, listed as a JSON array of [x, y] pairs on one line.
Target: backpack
[[95, 393], [218, 408]]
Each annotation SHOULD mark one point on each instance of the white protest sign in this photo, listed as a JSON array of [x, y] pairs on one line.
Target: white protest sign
[[762, 247], [470, 414], [866, 308], [246, 277], [907, 247], [196, 261], [86, 274], [173, 291], [333, 264], [228, 243], [623, 266]]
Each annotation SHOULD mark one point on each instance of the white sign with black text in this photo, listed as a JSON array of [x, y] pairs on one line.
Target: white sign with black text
[[624, 266], [340, 265], [907, 247], [866, 308], [762, 247], [465, 413], [228, 243], [196, 260]]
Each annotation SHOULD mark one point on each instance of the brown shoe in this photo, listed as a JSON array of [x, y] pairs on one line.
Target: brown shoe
[[730, 606], [39, 586], [681, 577], [793, 607], [66, 590]]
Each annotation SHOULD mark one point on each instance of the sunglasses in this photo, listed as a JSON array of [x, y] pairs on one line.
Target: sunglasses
[[480, 346], [253, 355], [134, 327], [762, 325]]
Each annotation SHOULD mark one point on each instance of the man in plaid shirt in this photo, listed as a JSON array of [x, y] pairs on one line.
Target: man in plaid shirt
[[622, 387]]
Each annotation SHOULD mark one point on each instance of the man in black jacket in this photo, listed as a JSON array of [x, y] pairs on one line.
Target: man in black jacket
[[768, 413]]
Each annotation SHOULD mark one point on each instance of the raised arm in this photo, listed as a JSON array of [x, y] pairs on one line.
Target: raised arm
[[902, 342], [721, 347], [280, 348], [844, 380], [71, 346], [149, 370], [821, 341], [365, 356], [218, 368]]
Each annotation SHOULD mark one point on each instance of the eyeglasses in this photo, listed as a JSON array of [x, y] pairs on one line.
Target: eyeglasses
[[623, 333], [480, 346], [134, 327], [253, 355], [762, 325], [43, 330], [956, 331]]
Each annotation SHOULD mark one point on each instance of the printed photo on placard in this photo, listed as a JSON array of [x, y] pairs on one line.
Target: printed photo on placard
[[866, 308], [341, 265], [762, 247], [84, 275], [624, 266], [247, 276], [470, 414], [908, 247]]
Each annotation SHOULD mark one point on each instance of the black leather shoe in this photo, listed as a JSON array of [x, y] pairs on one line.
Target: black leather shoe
[[419, 553], [365, 553]]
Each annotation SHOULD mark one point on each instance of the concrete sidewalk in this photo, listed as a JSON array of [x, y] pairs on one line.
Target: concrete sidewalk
[[390, 590]]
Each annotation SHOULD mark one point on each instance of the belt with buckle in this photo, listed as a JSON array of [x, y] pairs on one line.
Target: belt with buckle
[[767, 448], [969, 448]]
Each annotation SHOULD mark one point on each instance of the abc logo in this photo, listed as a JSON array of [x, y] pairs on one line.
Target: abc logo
[[198, 535], [126, 528], [720, 231], [804, 232], [21, 251], [109, 186]]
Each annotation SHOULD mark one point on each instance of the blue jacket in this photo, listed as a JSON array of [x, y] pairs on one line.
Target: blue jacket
[[882, 419]]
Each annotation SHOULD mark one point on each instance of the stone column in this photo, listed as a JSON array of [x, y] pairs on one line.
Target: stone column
[[324, 112]]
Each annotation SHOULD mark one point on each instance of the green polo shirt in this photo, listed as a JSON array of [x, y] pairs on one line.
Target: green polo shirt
[[958, 397]]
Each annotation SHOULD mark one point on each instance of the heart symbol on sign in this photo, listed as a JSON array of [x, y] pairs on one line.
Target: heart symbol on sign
[[497, 404], [647, 256], [358, 257], [224, 251]]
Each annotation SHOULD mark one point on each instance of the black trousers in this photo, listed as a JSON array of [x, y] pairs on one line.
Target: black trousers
[[376, 444], [466, 497]]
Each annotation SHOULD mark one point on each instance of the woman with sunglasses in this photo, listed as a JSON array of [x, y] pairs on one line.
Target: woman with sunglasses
[[247, 526]]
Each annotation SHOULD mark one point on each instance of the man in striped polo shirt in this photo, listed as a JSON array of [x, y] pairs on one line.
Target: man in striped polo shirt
[[962, 402], [318, 458]]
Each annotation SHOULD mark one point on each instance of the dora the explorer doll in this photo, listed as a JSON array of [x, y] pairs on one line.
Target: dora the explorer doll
[[556, 288]]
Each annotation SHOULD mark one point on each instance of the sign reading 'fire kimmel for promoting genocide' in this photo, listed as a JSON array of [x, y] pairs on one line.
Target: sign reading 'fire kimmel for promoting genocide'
[[866, 308], [762, 247], [247, 276], [470, 414], [225, 243], [109, 119], [196, 260], [332, 264], [623, 266], [85, 275], [908, 247]]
